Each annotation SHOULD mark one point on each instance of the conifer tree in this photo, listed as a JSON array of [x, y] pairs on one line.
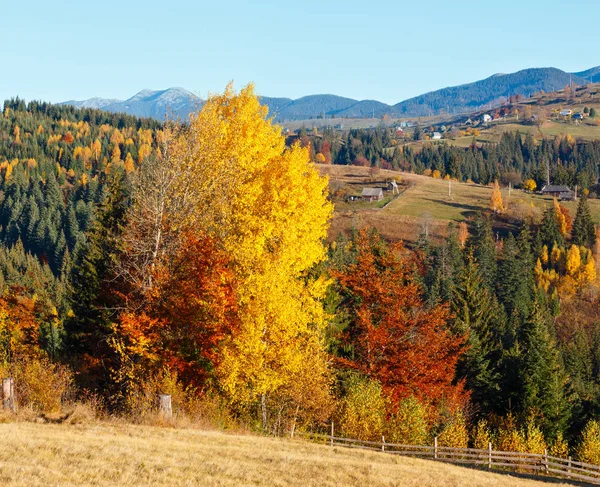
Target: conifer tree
[[549, 230], [583, 226], [543, 380], [483, 247], [477, 316]]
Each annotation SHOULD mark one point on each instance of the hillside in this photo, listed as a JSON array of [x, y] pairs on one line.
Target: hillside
[[424, 204], [488, 92], [118, 454], [456, 99]]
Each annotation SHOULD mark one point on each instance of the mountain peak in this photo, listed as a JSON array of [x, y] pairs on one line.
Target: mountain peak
[[177, 102]]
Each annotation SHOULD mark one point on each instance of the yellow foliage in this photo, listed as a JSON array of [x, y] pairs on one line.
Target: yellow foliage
[[544, 254], [556, 256], [510, 437], [455, 433], [534, 439], [363, 410], [129, 166], [436, 174], [560, 447], [496, 204], [144, 151], [268, 206], [116, 153], [41, 383], [573, 261], [96, 148], [561, 221], [408, 425], [529, 185], [320, 158], [589, 271], [482, 436], [589, 447]]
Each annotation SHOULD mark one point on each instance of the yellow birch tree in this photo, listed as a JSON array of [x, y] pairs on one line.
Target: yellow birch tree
[[268, 207]]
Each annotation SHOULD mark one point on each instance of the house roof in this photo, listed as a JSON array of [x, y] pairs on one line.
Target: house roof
[[372, 192], [549, 188]]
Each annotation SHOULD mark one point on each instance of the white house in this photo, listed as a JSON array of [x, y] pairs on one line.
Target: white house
[[436, 136], [565, 113], [486, 118]]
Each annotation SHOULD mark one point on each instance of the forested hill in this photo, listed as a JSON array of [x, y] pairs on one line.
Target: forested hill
[[489, 91], [179, 102], [54, 165]]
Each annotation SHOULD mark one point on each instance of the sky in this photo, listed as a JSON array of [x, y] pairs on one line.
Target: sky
[[370, 49]]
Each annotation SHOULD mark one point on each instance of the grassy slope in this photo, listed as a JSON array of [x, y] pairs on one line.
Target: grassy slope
[[427, 203], [111, 454]]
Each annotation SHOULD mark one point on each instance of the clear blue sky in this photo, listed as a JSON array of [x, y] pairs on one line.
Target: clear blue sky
[[385, 50]]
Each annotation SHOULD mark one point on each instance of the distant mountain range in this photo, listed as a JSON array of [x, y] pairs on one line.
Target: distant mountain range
[[489, 92]]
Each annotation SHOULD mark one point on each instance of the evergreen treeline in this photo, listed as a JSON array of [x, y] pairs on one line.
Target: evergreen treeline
[[516, 157], [54, 164], [520, 358]]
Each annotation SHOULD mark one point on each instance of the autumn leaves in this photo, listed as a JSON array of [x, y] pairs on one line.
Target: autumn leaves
[[224, 225]]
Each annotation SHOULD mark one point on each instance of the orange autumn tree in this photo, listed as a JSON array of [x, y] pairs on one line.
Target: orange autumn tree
[[19, 327], [185, 316], [395, 339]]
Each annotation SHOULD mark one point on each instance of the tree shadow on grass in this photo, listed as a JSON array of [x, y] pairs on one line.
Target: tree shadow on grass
[[468, 210], [525, 476]]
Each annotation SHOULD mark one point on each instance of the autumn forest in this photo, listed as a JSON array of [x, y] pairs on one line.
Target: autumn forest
[[193, 259]]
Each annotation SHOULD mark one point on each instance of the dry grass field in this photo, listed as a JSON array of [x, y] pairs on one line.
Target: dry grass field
[[107, 454]]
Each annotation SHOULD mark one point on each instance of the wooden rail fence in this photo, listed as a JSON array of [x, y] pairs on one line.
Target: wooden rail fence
[[536, 463]]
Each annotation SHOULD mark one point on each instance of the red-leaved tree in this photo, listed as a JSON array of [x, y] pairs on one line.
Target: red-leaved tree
[[393, 336]]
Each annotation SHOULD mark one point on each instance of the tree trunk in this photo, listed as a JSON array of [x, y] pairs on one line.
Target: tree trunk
[[263, 407]]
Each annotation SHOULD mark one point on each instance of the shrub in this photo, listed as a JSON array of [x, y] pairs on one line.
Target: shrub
[[363, 409], [510, 438], [455, 433], [408, 425], [482, 436], [534, 438], [589, 448], [141, 395], [40, 384], [560, 447]]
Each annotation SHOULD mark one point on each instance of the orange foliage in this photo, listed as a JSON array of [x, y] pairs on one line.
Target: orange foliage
[[190, 310], [19, 327], [397, 340]]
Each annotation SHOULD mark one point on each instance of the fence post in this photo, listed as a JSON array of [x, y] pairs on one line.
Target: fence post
[[545, 460], [490, 454], [569, 469], [332, 433], [382, 443], [8, 394], [435, 448], [165, 409]]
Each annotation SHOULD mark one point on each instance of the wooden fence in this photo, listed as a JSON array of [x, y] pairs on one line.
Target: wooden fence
[[536, 463]]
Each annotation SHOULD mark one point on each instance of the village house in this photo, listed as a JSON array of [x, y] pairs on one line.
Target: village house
[[436, 136], [565, 113], [486, 118], [372, 194], [561, 192]]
